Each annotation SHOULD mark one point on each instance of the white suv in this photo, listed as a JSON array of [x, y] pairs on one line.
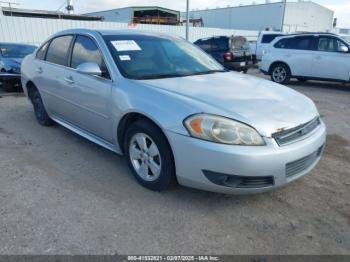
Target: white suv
[[307, 56]]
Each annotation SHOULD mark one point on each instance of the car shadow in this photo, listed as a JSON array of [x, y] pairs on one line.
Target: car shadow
[[322, 85]]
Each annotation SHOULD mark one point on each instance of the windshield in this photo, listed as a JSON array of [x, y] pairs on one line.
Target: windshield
[[346, 38], [151, 57], [16, 51]]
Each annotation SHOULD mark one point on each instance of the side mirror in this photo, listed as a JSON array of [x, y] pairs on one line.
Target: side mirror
[[89, 69], [344, 49]]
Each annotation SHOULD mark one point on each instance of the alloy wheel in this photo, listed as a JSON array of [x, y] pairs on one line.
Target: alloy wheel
[[145, 157], [279, 74]]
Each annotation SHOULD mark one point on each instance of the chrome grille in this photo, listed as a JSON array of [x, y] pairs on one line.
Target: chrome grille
[[300, 165], [297, 133]]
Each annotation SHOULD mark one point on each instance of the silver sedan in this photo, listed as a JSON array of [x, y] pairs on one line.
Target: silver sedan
[[177, 115]]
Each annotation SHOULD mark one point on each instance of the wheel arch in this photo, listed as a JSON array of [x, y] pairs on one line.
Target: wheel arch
[[130, 118], [279, 62], [30, 87]]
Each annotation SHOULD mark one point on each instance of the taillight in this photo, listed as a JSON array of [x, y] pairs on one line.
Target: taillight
[[228, 56]]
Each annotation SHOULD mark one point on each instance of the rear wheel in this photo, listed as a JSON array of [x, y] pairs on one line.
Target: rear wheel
[[280, 73], [39, 109], [149, 156]]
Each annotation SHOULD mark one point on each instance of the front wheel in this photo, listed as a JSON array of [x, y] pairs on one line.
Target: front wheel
[[149, 156], [280, 73]]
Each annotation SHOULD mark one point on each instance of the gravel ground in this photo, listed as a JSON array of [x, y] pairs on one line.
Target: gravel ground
[[61, 194]]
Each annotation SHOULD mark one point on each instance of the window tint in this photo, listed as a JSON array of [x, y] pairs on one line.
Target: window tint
[[267, 39], [297, 43], [284, 43], [42, 52], [220, 43], [159, 57], [58, 50], [204, 44], [85, 50], [302, 43], [330, 44]]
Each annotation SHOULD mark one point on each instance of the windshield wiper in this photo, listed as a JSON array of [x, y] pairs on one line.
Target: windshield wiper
[[211, 72], [159, 76]]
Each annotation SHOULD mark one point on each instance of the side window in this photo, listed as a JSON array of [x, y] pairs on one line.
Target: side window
[[220, 43], [297, 43], [283, 43], [204, 44], [267, 39], [85, 50], [302, 43], [329, 44], [42, 51], [58, 50]]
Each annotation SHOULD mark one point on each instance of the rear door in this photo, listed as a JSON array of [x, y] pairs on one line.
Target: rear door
[[50, 65], [330, 62], [297, 53]]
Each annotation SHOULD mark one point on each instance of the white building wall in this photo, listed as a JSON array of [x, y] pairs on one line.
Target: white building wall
[[253, 17], [36, 30], [309, 17], [299, 16]]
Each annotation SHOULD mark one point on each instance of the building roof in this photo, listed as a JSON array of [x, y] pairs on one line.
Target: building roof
[[140, 8], [46, 14]]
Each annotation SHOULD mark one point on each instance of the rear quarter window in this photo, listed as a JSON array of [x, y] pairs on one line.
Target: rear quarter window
[[267, 39]]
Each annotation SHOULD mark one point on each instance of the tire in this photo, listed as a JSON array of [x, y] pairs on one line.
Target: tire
[[149, 156], [280, 73], [300, 79], [8, 86], [39, 109], [245, 71]]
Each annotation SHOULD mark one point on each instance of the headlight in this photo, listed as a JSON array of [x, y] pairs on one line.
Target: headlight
[[222, 130]]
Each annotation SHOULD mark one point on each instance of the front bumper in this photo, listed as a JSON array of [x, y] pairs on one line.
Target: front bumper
[[194, 157], [10, 77]]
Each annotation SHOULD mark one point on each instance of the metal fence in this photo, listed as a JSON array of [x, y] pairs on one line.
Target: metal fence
[[36, 30]]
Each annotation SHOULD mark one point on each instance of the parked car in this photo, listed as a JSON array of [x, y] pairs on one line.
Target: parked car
[[11, 56], [308, 56], [176, 113], [346, 38], [264, 40], [232, 52]]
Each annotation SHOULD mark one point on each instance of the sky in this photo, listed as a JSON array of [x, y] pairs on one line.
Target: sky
[[341, 7]]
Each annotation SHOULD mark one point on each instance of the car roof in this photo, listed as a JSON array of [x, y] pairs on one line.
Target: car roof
[[19, 44], [111, 32]]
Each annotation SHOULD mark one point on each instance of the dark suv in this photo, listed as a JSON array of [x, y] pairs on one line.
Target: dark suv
[[232, 52]]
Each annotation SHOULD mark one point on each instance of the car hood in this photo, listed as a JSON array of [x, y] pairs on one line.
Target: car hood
[[266, 106], [13, 62]]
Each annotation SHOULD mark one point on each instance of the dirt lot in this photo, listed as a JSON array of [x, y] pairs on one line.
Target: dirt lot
[[60, 194]]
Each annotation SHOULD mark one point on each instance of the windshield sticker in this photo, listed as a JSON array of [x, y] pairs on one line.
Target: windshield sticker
[[126, 45], [124, 58]]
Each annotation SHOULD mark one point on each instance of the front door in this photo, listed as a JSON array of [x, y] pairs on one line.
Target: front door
[[88, 95], [331, 61]]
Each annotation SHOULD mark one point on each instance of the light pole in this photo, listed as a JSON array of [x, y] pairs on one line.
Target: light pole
[[283, 14], [187, 19]]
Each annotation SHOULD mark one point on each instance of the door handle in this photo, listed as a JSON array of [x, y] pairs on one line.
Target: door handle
[[39, 70], [69, 80]]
